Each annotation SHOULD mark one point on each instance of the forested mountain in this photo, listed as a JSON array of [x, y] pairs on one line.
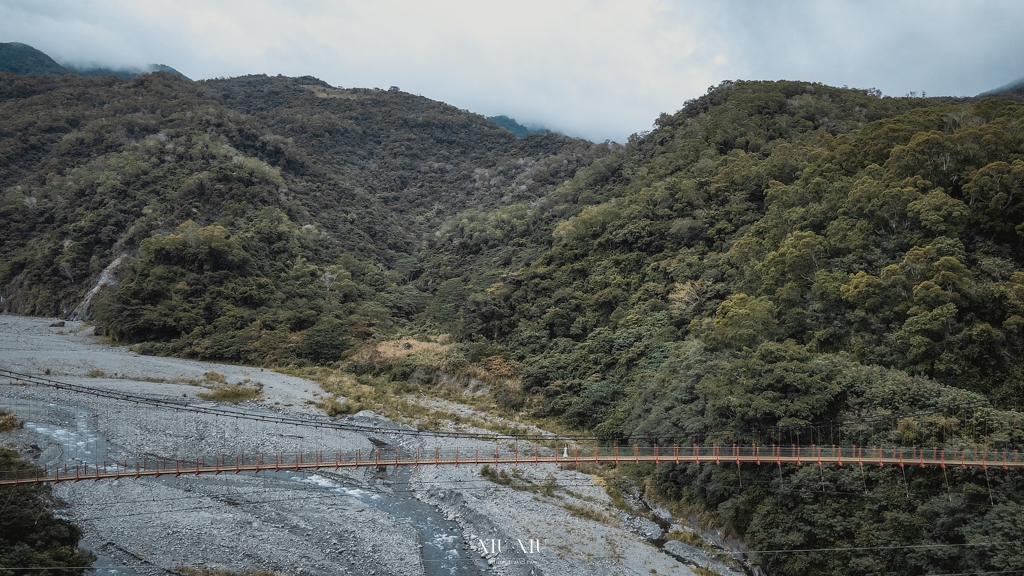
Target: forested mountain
[[129, 72], [790, 263], [255, 216], [18, 58], [1012, 86], [777, 262], [425, 161], [514, 127]]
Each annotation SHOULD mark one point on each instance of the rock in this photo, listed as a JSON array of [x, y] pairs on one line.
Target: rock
[[58, 324], [698, 557], [644, 528], [686, 553], [660, 512]]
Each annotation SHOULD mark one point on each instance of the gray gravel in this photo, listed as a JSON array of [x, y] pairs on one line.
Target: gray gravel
[[341, 522]]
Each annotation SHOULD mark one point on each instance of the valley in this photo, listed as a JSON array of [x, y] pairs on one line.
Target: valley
[[774, 263]]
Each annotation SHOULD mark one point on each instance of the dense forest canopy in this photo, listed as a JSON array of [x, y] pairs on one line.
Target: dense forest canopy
[[776, 262], [793, 263], [278, 228]]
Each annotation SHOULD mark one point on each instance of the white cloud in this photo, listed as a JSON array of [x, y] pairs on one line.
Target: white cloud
[[598, 69]]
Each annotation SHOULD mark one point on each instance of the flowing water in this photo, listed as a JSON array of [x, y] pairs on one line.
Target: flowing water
[[439, 537]]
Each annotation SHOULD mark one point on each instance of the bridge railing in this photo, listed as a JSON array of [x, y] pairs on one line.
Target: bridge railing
[[564, 454]]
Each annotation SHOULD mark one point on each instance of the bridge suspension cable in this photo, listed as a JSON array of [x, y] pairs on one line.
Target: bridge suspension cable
[[572, 454]]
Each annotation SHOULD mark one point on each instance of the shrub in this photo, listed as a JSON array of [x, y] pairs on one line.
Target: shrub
[[9, 421], [234, 393], [335, 409], [215, 377], [30, 535]]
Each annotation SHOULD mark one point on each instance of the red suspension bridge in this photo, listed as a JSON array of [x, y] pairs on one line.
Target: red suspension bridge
[[565, 454], [534, 450]]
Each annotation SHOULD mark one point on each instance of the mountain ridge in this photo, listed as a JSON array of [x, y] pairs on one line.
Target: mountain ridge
[[774, 263], [18, 58], [126, 72], [353, 178], [1016, 84], [514, 127]]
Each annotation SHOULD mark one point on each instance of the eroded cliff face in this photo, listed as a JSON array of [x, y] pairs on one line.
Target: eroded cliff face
[[108, 278]]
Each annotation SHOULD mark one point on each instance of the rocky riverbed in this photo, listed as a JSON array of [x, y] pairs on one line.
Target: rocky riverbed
[[430, 520]]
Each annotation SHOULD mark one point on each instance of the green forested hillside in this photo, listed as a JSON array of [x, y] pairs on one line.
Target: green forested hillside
[[18, 58], [777, 262], [897, 244], [792, 263], [423, 160], [240, 242], [100, 168]]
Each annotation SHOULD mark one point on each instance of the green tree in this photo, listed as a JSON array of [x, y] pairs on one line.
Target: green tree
[[31, 537]]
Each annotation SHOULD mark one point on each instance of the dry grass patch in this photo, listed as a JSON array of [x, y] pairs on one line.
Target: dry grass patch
[[322, 92], [390, 350], [9, 421], [588, 513], [234, 393], [215, 377], [517, 480], [335, 408], [391, 399]]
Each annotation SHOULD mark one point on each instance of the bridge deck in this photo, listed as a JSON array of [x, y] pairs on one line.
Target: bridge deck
[[573, 456], [556, 452]]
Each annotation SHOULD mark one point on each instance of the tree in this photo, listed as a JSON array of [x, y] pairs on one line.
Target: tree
[[743, 321], [31, 537]]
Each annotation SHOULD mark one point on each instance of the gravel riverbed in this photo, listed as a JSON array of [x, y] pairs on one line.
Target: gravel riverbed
[[428, 520]]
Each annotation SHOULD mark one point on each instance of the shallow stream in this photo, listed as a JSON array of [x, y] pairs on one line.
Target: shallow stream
[[440, 538]]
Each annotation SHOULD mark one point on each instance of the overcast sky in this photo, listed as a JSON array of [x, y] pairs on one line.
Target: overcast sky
[[596, 69]]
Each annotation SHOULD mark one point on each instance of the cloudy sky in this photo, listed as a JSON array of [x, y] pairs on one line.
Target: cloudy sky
[[598, 69]]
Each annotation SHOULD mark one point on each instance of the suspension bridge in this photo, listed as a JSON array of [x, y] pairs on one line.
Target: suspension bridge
[[535, 450], [571, 455]]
